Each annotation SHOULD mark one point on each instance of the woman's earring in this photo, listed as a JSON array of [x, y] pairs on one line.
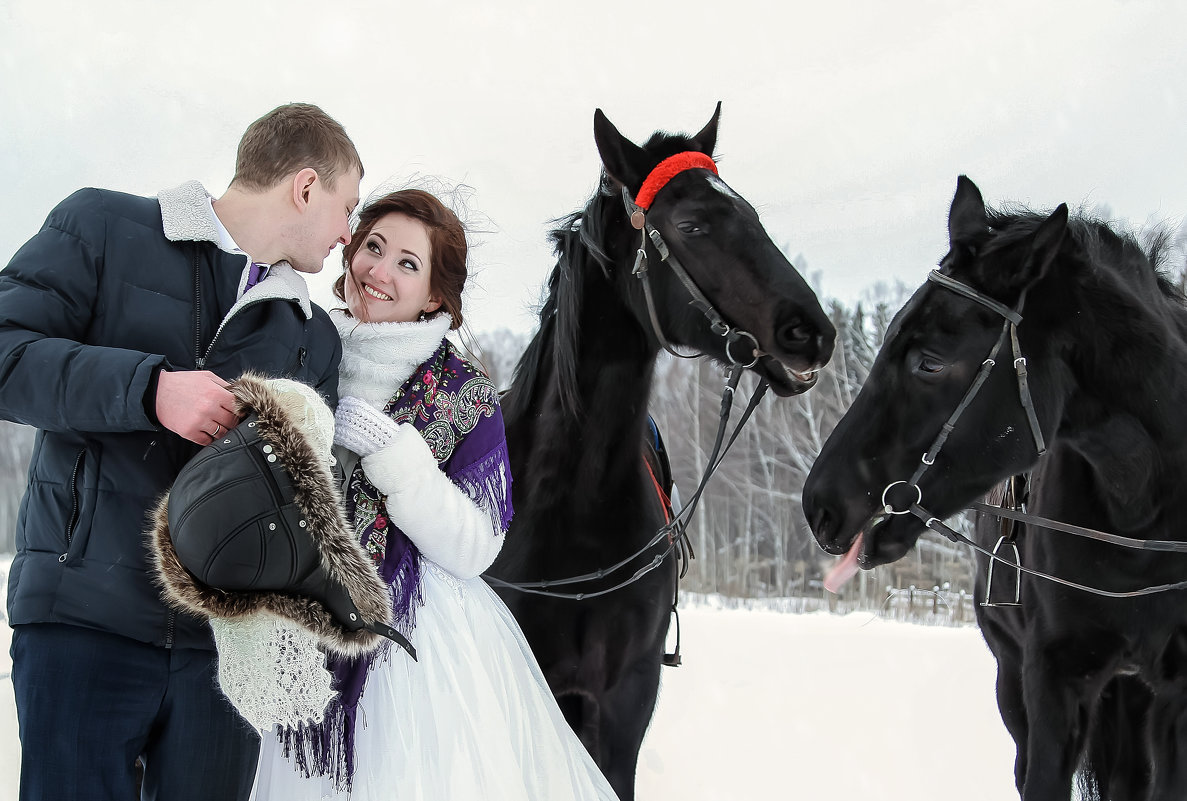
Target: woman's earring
[[423, 316]]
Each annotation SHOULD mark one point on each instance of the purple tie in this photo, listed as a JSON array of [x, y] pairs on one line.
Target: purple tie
[[254, 274]]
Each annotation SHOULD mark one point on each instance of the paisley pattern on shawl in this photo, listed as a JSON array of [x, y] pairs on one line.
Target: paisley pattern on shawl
[[455, 408]]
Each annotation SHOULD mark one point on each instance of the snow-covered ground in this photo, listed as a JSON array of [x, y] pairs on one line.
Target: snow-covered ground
[[822, 707], [815, 707]]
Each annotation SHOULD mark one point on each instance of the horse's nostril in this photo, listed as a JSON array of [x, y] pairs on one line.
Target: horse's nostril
[[795, 334], [819, 522]]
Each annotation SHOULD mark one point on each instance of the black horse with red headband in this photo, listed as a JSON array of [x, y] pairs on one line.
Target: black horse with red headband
[[664, 255]]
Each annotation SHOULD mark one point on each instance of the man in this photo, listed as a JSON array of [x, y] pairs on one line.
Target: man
[[121, 323]]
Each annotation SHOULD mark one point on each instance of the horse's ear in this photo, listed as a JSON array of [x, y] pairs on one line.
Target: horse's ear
[[625, 161], [707, 138], [966, 219], [1047, 240]]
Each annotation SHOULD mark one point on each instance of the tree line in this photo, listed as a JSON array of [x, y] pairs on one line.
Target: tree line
[[749, 534]]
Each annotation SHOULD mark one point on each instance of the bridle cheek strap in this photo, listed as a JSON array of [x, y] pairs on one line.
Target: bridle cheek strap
[[656, 180], [668, 169]]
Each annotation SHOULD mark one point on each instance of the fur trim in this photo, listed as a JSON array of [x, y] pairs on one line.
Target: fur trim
[[317, 496], [281, 283], [185, 213]]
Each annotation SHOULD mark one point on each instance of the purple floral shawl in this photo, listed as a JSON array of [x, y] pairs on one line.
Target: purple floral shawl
[[455, 407]]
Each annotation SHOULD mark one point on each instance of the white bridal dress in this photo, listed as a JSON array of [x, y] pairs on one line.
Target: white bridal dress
[[473, 719]]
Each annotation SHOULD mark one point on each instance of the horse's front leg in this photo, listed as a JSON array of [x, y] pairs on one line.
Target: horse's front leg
[[1060, 686], [1001, 627], [625, 715], [1119, 746], [1011, 706], [1169, 745]]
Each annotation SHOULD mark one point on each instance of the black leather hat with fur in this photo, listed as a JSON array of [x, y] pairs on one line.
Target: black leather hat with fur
[[254, 522]]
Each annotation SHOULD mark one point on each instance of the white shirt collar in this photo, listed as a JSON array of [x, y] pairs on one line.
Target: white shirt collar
[[225, 241]]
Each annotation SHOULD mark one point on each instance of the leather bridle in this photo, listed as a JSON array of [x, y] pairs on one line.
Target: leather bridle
[[1013, 318], [638, 218]]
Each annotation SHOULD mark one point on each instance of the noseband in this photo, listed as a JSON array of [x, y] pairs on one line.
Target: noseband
[[665, 171]]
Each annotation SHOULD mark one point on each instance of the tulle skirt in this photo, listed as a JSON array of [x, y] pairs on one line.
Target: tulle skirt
[[473, 719]]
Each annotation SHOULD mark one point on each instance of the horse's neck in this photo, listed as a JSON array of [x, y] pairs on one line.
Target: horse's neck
[[599, 444], [615, 369], [1124, 418]]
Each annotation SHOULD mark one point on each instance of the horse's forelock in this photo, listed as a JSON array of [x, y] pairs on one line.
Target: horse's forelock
[[662, 144]]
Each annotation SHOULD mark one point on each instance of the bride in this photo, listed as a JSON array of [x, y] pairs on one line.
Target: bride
[[420, 436]]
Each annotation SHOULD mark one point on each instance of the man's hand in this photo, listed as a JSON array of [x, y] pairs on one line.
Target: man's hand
[[196, 405]]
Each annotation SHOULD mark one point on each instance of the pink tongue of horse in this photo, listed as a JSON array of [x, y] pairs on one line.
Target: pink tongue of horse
[[845, 569]]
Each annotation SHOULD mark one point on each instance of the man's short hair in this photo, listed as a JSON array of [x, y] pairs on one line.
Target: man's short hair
[[290, 138]]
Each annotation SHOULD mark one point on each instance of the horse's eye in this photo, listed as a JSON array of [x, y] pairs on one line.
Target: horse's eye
[[689, 228], [929, 365]]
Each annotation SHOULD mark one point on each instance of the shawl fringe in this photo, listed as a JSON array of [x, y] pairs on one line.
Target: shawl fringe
[[326, 748], [487, 483]]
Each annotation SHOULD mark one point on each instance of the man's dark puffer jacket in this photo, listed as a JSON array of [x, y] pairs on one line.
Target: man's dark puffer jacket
[[91, 308]]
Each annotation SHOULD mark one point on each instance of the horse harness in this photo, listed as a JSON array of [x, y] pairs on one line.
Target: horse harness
[[674, 529], [636, 210], [1006, 543]]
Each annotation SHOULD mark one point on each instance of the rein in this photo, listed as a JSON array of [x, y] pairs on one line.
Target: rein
[[1013, 317], [673, 531], [939, 527]]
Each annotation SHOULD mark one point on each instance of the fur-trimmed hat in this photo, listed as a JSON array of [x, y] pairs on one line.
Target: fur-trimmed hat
[[254, 522]]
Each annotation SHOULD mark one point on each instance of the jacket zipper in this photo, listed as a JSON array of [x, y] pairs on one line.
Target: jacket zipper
[[199, 360], [223, 325], [74, 507]]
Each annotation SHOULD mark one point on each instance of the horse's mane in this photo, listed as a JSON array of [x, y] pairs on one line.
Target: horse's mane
[[1101, 243], [579, 243]]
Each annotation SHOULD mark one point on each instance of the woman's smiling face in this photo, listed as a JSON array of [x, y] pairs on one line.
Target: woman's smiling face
[[389, 275]]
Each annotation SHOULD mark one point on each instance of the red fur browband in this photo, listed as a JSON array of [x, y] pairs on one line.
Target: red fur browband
[[668, 169]]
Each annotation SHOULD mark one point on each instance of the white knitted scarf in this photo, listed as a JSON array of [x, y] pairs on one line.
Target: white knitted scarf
[[377, 358]]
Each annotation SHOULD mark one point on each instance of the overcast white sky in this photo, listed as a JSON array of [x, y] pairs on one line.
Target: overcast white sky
[[845, 122]]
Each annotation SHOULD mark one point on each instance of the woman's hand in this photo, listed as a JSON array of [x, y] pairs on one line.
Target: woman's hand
[[361, 427]]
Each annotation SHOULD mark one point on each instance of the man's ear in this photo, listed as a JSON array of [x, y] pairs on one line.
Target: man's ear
[[302, 186]]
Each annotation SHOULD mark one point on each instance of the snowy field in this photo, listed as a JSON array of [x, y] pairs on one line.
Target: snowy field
[[814, 707]]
